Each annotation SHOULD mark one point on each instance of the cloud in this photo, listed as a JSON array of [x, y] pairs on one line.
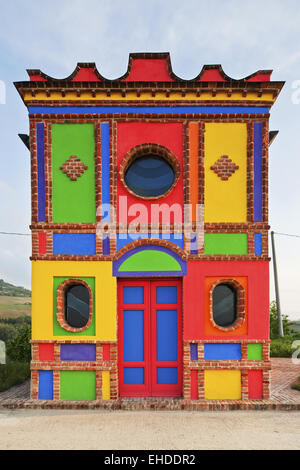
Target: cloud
[[196, 31], [242, 36]]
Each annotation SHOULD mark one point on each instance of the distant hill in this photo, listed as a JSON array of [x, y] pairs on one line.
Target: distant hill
[[13, 291]]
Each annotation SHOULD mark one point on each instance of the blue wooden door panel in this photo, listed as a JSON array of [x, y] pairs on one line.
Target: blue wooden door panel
[[166, 335], [150, 348], [133, 335]]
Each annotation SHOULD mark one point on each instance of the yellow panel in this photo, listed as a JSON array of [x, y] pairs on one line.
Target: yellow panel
[[222, 384], [226, 201], [43, 273], [106, 385], [159, 96]]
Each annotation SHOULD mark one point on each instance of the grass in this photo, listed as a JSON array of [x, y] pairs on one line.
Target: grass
[[13, 373], [296, 385], [12, 307]]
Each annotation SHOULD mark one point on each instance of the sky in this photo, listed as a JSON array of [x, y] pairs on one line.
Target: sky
[[242, 36]]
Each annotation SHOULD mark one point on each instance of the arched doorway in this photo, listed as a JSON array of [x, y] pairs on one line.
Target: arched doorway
[[150, 322]]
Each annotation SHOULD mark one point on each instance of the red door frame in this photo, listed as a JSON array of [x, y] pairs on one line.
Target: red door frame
[[150, 363]]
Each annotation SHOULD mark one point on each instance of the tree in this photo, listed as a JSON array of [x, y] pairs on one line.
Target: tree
[[19, 348]]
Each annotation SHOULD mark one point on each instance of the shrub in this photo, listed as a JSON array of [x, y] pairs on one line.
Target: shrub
[[281, 348], [7, 332], [19, 348], [13, 373]]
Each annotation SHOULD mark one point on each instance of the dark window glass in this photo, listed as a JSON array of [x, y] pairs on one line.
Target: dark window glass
[[224, 305], [77, 300], [150, 176]]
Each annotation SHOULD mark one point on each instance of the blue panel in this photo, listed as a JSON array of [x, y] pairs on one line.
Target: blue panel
[[147, 110], [134, 376], [194, 351], [166, 335], [258, 243], [45, 385], [166, 295], [194, 244], [167, 375], [133, 335], [222, 352], [40, 141], [126, 238], [106, 245], [78, 352], [133, 295], [74, 244], [105, 171], [258, 189], [176, 238]]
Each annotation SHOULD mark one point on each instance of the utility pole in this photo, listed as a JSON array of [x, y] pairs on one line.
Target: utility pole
[[280, 327]]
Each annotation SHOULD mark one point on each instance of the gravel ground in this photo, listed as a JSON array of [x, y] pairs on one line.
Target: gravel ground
[[144, 430]]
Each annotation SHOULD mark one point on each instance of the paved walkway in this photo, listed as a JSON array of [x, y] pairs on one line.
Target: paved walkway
[[283, 374]]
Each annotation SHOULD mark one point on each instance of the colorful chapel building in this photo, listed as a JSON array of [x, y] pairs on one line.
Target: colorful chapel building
[[126, 301]]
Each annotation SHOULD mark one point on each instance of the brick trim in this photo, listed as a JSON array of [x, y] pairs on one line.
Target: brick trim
[[60, 305], [149, 241]]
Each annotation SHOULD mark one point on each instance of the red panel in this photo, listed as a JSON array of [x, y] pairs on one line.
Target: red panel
[[257, 273], [149, 70], [46, 352], [170, 135], [262, 77], [42, 243], [37, 78], [212, 76], [194, 385], [255, 384], [86, 75], [106, 352]]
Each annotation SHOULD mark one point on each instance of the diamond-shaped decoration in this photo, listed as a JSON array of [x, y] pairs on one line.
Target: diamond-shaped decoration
[[73, 168], [224, 167]]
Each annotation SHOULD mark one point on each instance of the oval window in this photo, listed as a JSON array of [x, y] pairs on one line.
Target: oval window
[[224, 305], [77, 306], [149, 176]]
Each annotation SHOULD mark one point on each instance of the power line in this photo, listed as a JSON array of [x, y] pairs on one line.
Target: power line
[[14, 233], [287, 234], [29, 234]]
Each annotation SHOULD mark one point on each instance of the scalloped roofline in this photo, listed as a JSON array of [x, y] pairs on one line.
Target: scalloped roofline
[[88, 72]]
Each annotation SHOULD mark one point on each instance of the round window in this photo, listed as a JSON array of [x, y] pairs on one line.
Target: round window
[[149, 176]]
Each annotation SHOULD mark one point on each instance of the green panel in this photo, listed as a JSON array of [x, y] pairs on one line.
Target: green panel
[[150, 260], [57, 329], [77, 385], [225, 244], [73, 201], [255, 352]]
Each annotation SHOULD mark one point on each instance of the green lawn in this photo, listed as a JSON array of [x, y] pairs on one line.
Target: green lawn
[[12, 307]]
